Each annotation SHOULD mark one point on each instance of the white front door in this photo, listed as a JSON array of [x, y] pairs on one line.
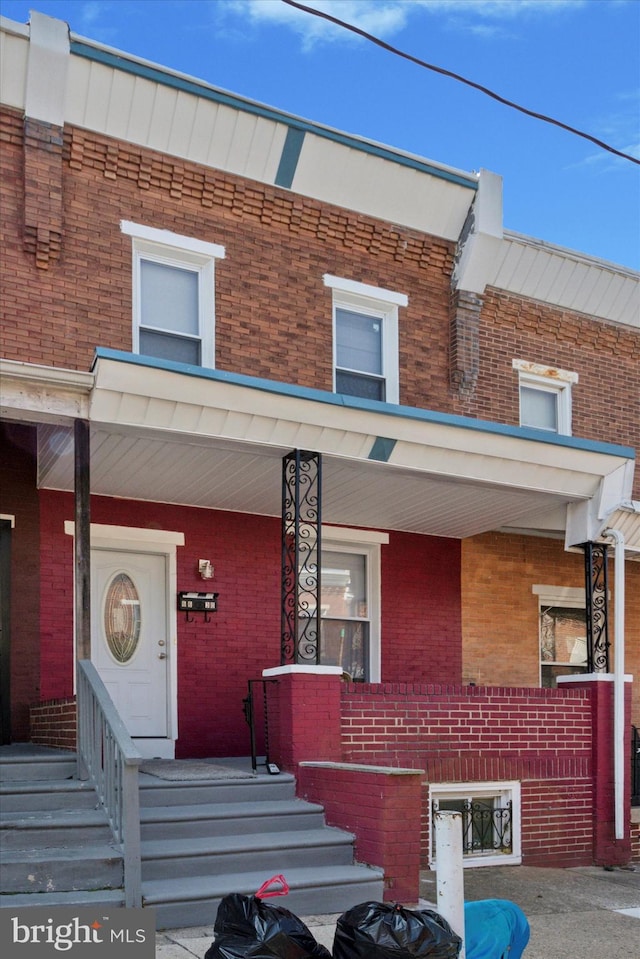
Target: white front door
[[130, 638]]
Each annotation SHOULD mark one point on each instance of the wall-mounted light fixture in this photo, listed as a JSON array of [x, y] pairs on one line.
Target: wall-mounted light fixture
[[205, 569]]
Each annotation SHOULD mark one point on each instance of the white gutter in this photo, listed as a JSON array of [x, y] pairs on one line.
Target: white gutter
[[618, 682]]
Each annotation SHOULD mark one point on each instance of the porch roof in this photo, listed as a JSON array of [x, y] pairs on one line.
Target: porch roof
[[175, 433]]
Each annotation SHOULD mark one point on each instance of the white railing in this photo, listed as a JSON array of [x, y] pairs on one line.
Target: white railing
[[107, 756]]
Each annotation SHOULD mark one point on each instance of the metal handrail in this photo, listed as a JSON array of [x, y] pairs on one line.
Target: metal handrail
[[108, 757]]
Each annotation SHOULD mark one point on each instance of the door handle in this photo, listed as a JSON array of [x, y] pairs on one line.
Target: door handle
[[162, 655]]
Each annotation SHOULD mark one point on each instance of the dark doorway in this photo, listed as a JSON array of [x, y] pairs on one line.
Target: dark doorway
[[5, 631]]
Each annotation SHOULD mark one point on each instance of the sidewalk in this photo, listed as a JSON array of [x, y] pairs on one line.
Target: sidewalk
[[586, 913]]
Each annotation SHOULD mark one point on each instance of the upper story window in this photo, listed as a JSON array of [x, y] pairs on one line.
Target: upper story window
[[173, 295], [545, 397], [365, 339]]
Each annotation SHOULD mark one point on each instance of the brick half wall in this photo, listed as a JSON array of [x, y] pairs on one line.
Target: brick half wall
[[381, 807], [53, 723], [540, 737]]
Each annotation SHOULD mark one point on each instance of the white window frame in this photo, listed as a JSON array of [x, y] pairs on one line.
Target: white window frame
[[371, 301], [547, 379], [506, 790], [571, 597], [182, 252], [365, 543]]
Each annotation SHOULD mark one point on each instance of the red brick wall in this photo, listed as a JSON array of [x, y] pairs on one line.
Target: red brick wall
[[557, 821], [54, 723], [473, 734], [215, 659], [243, 637], [304, 718], [382, 809], [273, 313], [635, 837], [606, 399], [18, 498], [421, 631]]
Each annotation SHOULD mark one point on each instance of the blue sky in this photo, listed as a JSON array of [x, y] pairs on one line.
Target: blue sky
[[574, 60]]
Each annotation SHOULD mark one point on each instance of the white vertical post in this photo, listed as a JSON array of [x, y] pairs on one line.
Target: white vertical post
[[449, 870], [619, 757]]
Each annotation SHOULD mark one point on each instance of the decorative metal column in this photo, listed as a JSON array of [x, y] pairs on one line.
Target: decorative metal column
[[597, 597], [301, 544]]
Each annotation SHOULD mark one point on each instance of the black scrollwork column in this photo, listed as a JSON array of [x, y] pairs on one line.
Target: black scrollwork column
[[595, 570], [301, 545]]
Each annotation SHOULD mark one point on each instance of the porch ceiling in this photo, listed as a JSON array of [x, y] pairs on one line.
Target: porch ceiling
[[208, 439], [218, 475]]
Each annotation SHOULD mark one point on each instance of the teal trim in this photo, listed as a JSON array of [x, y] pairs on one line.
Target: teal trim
[[382, 449], [357, 403], [157, 75], [290, 156]]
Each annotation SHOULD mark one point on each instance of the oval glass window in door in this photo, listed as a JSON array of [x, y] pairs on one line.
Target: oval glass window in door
[[122, 617]]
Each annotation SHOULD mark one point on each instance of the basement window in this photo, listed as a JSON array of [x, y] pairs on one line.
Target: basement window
[[490, 818]]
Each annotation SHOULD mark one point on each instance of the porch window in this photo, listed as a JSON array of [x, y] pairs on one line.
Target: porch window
[[562, 633], [350, 602], [365, 339], [344, 625], [173, 295], [545, 397], [490, 819]]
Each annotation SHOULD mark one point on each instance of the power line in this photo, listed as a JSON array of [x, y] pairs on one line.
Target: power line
[[457, 76]]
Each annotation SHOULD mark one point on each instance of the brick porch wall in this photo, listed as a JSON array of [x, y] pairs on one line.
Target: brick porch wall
[[380, 807], [635, 834], [53, 723], [543, 738]]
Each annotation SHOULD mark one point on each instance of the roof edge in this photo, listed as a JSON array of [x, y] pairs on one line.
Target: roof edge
[[110, 56], [356, 403]]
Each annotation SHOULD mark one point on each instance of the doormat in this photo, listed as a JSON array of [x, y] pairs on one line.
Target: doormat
[[182, 770]]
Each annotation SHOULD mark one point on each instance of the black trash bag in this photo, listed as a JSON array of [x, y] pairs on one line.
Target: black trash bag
[[376, 930], [248, 928]]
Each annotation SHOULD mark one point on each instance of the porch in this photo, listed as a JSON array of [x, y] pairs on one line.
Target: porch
[[375, 760]]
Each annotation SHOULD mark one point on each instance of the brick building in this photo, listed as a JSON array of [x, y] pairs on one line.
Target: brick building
[[207, 284]]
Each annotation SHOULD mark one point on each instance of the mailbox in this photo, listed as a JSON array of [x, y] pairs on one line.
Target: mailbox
[[198, 602]]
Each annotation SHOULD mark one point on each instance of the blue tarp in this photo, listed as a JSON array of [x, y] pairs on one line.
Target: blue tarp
[[494, 929]]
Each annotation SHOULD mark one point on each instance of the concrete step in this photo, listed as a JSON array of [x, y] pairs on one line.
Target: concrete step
[[223, 819], [58, 827], [268, 852], [100, 899], [26, 795], [159, 792], [201, 839], [314, 890], [36, 763], [61, 869]]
